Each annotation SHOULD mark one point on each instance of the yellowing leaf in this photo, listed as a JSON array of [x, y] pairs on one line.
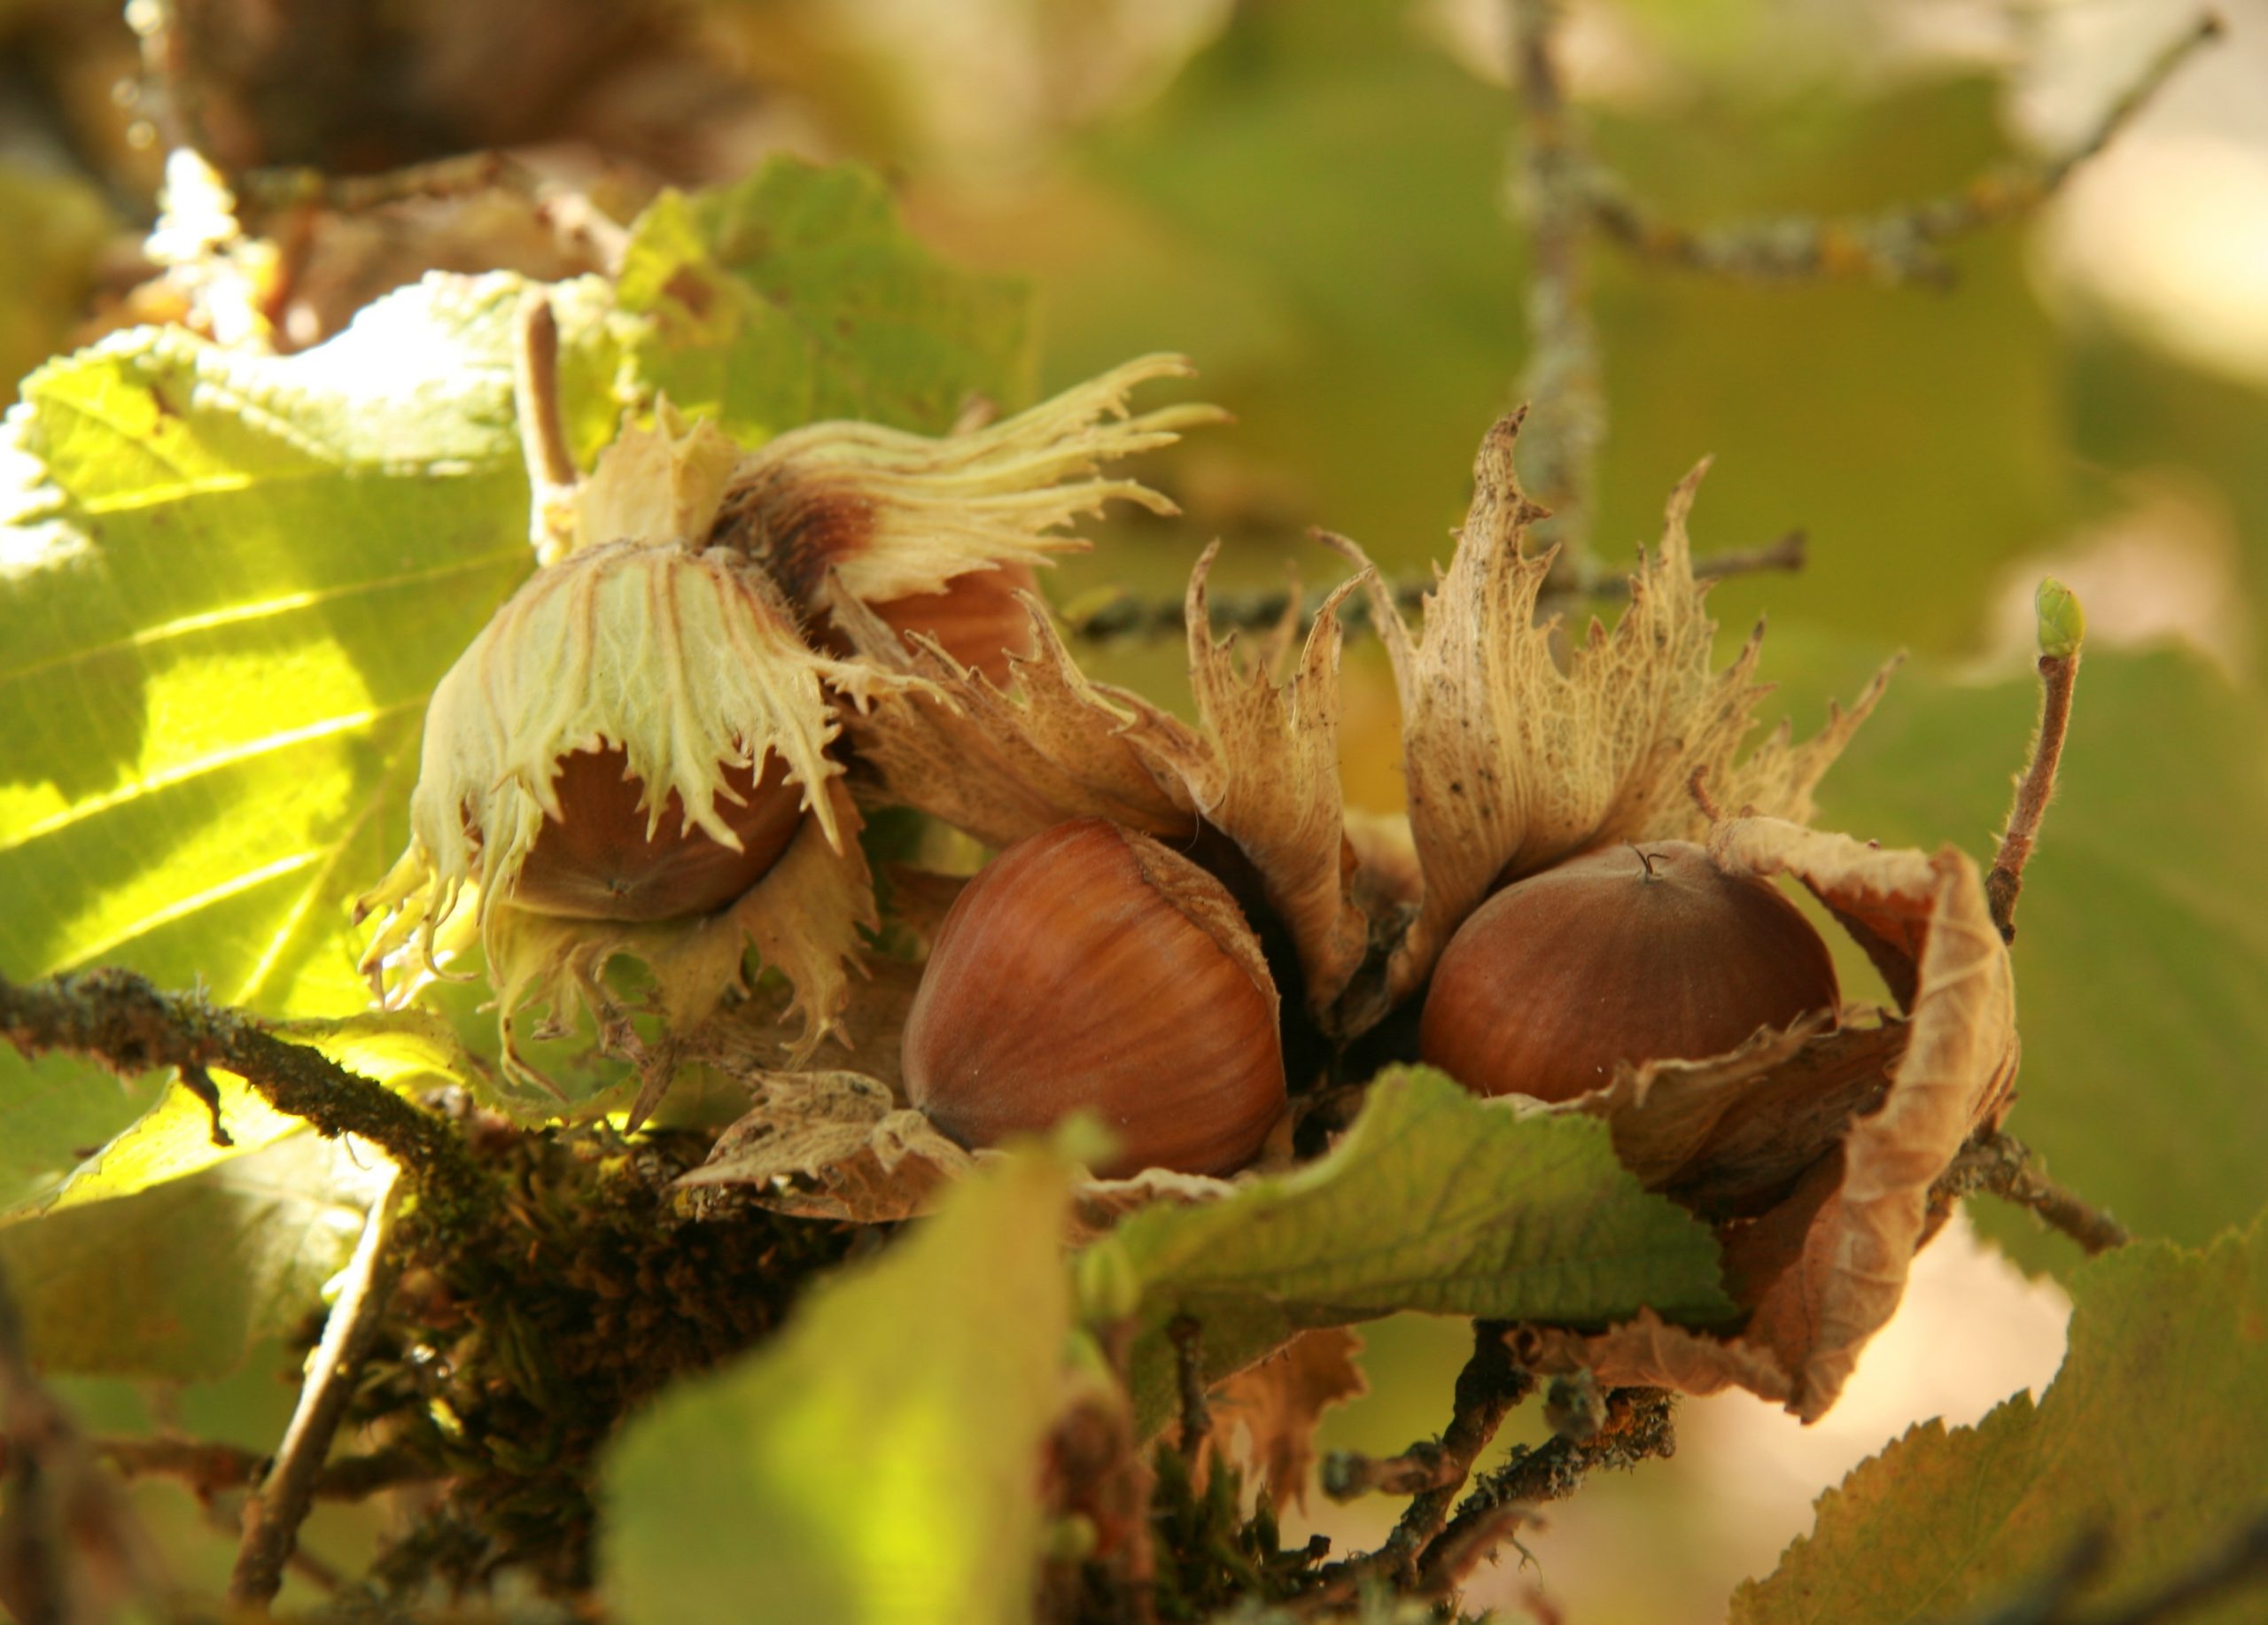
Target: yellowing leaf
[[2153, 1433], [878, 1460]]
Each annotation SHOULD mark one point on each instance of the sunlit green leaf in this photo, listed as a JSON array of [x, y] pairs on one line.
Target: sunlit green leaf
[[180, 1281], [798, 295], [2153, 1433], [1432, 1200], [877, 1462]]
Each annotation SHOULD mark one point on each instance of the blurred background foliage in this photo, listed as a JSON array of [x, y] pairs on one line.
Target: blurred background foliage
[[1313, 200]]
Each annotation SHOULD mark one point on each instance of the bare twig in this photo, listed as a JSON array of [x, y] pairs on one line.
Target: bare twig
[[1638, 1424], [277, 1509], [2062, 631], [1897, 246], [56, 1505], [119, 1018], [1189, 1370], [1567, 407], [2001, 1166], [1346, 1475], [1127, 618], [1486, 1390], [207, 1468]]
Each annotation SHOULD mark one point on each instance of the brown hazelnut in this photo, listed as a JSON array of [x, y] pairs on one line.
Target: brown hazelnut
[[977, 619], [1627, 954], [601, 860], [1090, 966]]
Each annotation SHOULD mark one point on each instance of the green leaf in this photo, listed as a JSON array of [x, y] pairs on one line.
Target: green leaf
[[2153, 1432], [2141, 948], [798, 295], [876, 1462], [180, 1281], [1434, 1201], [227, 584]]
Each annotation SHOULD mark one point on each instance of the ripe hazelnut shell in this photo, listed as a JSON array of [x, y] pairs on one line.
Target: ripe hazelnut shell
[[977, 618], [1559, 977], [1089, 966], [598, 862]]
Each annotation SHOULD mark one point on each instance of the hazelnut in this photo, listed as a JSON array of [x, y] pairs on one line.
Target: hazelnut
[[610, 857], [1629, 954], [1089, 966], [977, 618]]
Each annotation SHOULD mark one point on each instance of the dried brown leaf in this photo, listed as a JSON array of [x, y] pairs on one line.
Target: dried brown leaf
[[1823, 1269], [1264, 1417], [1262, 768], [832, 1145]]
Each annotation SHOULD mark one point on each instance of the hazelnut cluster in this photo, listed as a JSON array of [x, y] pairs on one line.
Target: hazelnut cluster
[[662, 745]]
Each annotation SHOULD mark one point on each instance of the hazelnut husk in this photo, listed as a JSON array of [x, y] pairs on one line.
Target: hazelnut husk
[[1625, 955], [1092, 968], [609, 855]]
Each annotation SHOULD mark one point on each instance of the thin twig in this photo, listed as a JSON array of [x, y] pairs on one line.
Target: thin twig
[[2062, 630], [279, 1506], [119, 1018], [1127, 618], [1486, 1390], [56, 1505], [1638, 1424], [1895, 245], [2001, 1166], [1189, 1370], [1567, 417], [207, 1468]]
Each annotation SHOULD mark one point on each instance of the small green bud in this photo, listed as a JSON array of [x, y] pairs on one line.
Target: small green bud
[[2063, 623], [1109, 1285]]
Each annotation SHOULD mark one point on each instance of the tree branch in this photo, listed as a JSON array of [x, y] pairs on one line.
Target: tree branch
[[1486, 1390], [2001, 1166], [120, 1019], [1566, 420], [1126, 618], [1638, 1424], [280, 1506], [1896, 245]]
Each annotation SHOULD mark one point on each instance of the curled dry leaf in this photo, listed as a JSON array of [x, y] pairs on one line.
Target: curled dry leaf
[[1264, 1417], [1516, 758], [832, 1145], [1822, 1269]]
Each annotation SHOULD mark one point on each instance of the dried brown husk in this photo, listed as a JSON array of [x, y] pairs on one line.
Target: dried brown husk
[[1261, 766], [1515, 760], [1264, 1417], [1822, 1269]]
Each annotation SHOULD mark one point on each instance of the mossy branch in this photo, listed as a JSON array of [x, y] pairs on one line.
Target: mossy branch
[[120, 1019]]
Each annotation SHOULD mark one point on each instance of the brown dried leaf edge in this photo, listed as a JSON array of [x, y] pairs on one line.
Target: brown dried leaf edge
[[1822, 1269]]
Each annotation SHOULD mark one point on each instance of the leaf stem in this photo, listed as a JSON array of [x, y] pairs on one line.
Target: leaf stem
[[280, 1506], [119, 1018]]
